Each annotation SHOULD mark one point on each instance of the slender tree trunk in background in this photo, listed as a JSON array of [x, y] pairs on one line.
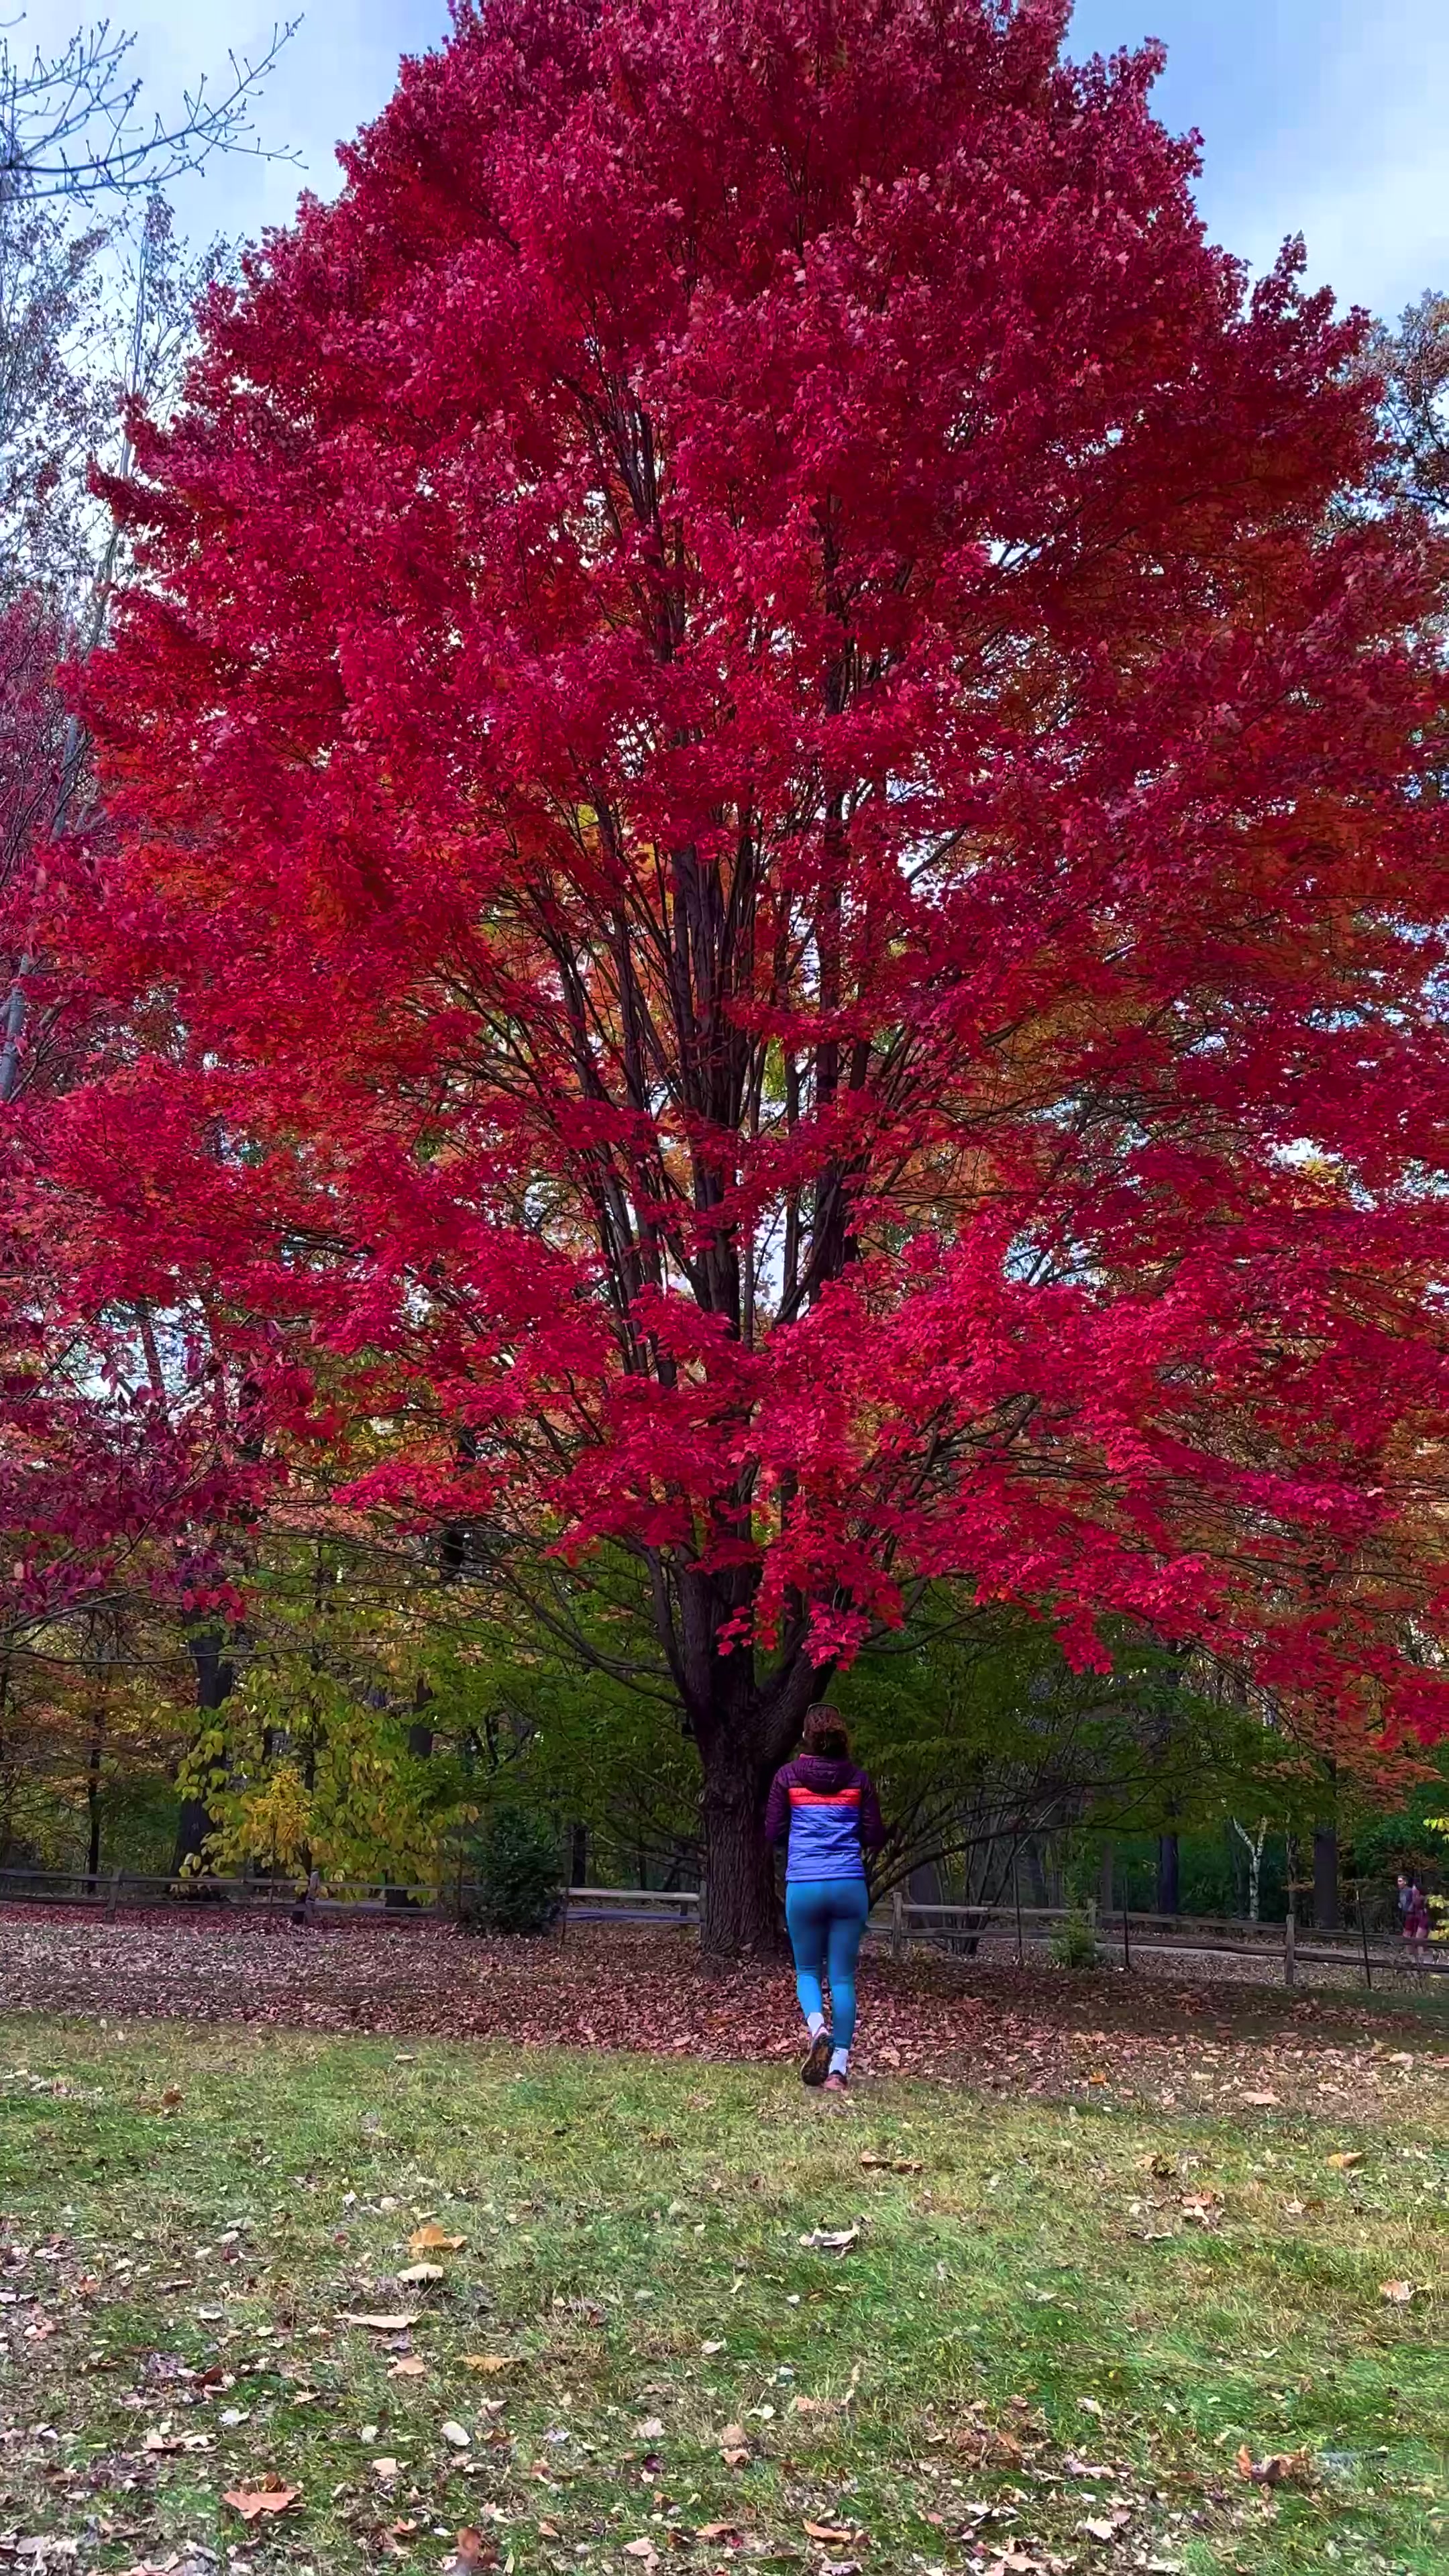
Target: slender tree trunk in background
[[1035, 1874], [1105, 1884], [1168, 1874], [420, 1746], [1327, 1915], [215, 1674], [579, 1856], [93, 1801]]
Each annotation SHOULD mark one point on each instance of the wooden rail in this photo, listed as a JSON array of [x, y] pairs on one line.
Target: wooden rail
[[900, 1920]]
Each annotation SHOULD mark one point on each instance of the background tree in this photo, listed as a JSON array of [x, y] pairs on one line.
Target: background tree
[[768, 855], [1414, 361]]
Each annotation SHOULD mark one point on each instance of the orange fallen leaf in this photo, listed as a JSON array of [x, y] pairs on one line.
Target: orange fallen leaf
[[433, 2239], [271, 2496], [827, 2531], [410, 2365], [489, 2363], [1398, 2293], [474, 2551], [1278, 2467], [1347, 2159]]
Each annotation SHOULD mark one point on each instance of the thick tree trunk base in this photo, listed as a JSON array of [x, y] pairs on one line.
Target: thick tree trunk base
[[740, 1915], [193, 1827]]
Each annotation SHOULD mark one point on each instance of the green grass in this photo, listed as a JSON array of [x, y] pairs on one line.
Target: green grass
[[1035, 2291]]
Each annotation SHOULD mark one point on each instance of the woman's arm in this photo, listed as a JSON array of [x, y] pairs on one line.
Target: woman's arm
[[872, 1831], [777, 1810]]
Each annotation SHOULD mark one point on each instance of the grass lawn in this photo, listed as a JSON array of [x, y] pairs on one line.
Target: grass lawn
[[1055, 2332]]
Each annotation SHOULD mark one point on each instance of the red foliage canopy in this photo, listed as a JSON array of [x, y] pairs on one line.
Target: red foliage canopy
[[782, 856]]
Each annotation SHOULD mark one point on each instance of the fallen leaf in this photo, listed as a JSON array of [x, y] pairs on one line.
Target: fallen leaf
[[829, 2531], [385, 2470], [1347, 2159], [1278, 2468], [417, 2272], [433, 2239], [457, 2436], [489, 2363], [643, 2550], [395, 2322], [1398, 2293], [1260, 2101], [717, 2531], [890, 2164], [831, 2240], [474, 2551], [650, 2430], [1107, 2526], [271, 2496], [409, 2365]]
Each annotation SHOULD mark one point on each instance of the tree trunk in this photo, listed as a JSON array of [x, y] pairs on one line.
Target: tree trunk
[[740, 1912], [93, 1803], [1326, 1914], [215, 1674], [743, 1732], [1105, 1881], [1168, 1874], [396, 1900]]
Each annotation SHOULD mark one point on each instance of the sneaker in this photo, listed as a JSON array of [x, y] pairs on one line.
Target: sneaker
[[813, 2070], [836, 2084]]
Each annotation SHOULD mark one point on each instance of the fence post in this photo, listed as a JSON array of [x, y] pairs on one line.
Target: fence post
[[1290, 1964], [898, 1924]]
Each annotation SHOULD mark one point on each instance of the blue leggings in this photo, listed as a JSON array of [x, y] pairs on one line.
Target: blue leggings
[[825, 1918]]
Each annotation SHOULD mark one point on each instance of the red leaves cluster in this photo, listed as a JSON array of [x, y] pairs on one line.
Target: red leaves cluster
[[773, 854]]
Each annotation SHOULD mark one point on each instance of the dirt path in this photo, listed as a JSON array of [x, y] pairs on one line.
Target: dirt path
[[996, 2029]]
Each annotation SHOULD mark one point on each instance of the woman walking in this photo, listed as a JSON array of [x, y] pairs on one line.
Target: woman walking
[[828, 1809]]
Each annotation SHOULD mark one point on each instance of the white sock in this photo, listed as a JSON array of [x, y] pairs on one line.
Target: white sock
[[839, 2061], [815, 2023]]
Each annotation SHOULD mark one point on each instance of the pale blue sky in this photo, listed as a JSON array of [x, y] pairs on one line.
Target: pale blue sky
[[1329, 117]]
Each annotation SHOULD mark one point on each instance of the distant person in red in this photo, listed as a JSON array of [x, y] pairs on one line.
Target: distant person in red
[[828, 1810], [1413, 1909]]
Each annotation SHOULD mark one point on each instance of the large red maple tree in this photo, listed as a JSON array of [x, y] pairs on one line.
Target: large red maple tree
[[775, 861]]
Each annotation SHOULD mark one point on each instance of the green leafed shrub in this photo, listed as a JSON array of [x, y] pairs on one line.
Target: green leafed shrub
[[520, 1873], [1074, 1943]]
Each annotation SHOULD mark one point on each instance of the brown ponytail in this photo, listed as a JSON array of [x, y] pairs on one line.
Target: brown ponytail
[[825, 1733]]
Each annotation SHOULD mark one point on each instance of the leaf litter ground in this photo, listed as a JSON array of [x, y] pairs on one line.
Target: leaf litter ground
[[281, 2300], [1035, 2031]]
